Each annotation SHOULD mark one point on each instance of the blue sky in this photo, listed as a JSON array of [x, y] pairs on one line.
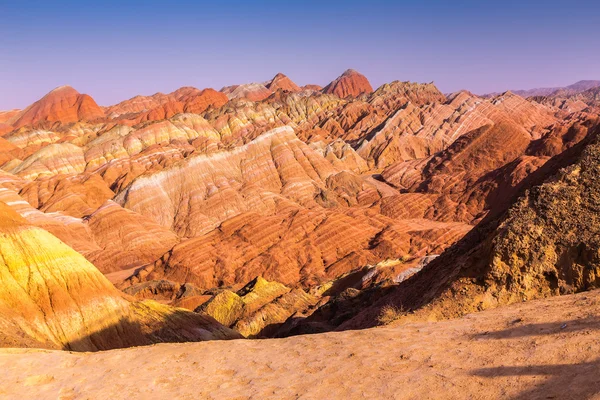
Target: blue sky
[[114, 50]]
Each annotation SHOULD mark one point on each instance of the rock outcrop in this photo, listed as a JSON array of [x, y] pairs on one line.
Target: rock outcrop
[[257, 308]]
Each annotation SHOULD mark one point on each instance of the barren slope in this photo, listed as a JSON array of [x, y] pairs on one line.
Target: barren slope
[[535, 350]]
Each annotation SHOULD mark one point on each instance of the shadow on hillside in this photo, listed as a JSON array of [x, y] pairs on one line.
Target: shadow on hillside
[[468, 258], [173, 327], [561, 381], [333, 314], [125, 333], [583, 324]]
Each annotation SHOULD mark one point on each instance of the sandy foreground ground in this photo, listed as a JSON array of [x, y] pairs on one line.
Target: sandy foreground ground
[[547, 349]]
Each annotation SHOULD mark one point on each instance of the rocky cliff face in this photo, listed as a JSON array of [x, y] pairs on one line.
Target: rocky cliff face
[[549, 243]]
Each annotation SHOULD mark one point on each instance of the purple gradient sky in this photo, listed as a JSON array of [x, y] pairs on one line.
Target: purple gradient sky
[[114, 50]]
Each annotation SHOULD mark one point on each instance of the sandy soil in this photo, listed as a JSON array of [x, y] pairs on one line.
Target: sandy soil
[[120, 276], [536, 350]]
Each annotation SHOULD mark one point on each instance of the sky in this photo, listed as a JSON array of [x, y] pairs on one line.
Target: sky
[[114, 50]]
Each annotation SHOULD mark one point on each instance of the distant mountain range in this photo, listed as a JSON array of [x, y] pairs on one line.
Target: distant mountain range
[[570, 90]]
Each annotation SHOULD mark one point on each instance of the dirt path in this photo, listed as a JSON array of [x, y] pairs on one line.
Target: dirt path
[[535, 350]]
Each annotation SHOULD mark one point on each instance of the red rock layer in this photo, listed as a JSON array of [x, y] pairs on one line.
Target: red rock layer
[[415, 132], [479, 172], [126, 239], [8, 151], [274, 171], [7, 116], [198, 103], [315, 88], [74, 195], [301, 246]]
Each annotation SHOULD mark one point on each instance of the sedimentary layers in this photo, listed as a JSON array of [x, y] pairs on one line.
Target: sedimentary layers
[[52, 297], [333, 197]]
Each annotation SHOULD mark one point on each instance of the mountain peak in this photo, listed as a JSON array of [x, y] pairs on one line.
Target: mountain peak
[[281, 81], [63, 88], [350, 72], [63, 104], [350, 83]]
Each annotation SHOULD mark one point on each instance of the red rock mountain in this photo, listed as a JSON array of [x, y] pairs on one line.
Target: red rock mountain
[[63, 104], [163, 106], [280, 81], [350, 83]]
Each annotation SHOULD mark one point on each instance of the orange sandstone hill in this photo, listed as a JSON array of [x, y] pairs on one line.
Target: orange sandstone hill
[[62, 105], [52, 297], [160, 106], [350, 83], [280, 81], [261, 91]]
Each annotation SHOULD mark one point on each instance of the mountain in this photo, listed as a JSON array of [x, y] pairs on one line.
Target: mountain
[[537, 245], [280, 81], [350, 83], [7, 115], [63, 104], [163, 106], [260, 91], [570, 90], [315, 88], [575, 88]]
